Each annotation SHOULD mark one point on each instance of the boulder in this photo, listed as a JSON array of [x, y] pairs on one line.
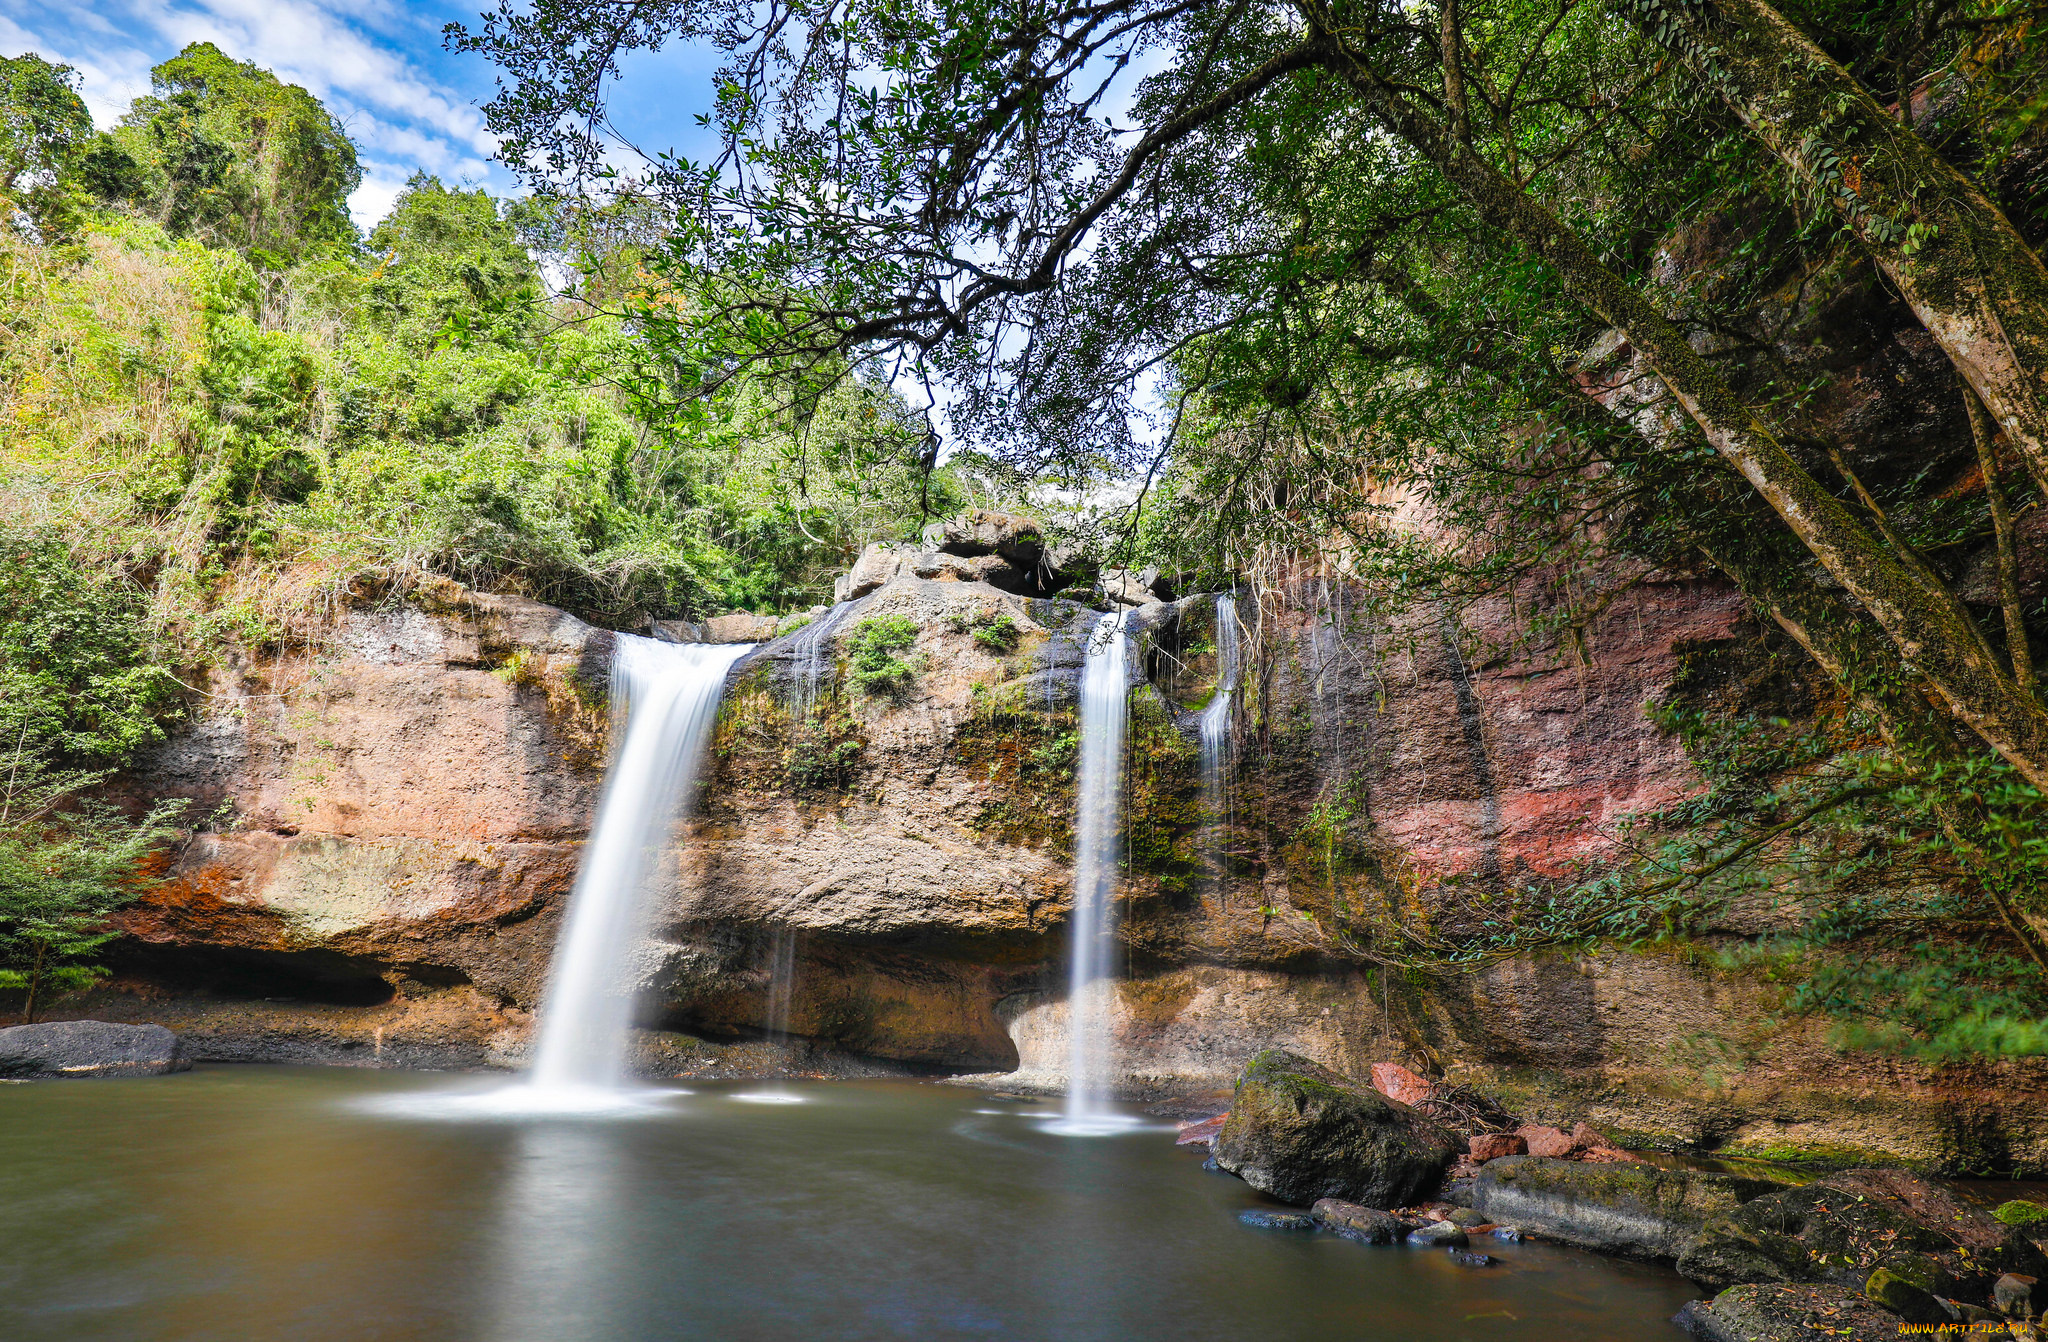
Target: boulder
[[1493, 1145], [1396, 1082], [2013, 1295], [1469, 1219], [1299, 1131], [1123, 587], [740, 627], [1366, 1224], [1789, 1314], [1439, 1233], [1550, 1143], [877, 564], [1843, 1229], [83, 1048], [1637, 1211], [676, 631], [1019, 540], [1911, 1302]]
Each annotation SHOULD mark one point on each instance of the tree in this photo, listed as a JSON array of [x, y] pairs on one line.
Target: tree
[[79, 693], [225, 150], [938, 185], [43, 124]]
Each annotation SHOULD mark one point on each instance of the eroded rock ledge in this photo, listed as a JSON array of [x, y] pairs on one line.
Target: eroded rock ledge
[[404, 806]]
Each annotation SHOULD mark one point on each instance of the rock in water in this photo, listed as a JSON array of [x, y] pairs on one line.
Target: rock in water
[[1638, 1211], [1788, 1314], [1280, 1220], [1439, 1232], [1352, 1221], [1463, 1259], [1299, 1131], [82, 1048]]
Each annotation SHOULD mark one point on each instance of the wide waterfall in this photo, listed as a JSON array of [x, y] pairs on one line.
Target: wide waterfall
[[1216, 734], [1098, 813], [669, 693]]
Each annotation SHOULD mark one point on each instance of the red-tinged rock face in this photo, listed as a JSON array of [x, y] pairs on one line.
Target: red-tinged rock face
[[409, 801], [1545, 1141], [1493, 1145], [1396, 1082]]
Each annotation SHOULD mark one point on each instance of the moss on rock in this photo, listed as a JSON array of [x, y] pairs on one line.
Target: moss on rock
[[1301, 1132]]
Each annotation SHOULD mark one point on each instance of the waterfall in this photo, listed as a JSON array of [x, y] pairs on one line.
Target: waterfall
[[670, 695], [1098, 795], [1216, 736]]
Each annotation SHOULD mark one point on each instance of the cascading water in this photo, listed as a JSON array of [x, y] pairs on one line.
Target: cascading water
[[1098, 792], [670, 694], [1216, 735], [781, 992]]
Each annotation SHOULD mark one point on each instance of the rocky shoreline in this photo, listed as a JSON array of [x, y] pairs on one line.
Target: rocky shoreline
[[1858, 1255]]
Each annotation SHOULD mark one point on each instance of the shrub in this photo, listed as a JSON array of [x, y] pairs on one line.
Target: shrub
[[997, 633], [874, 661]]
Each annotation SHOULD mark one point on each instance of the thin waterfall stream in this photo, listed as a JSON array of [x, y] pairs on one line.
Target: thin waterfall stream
[[1098, 816], [669, 693], [1216, 737]]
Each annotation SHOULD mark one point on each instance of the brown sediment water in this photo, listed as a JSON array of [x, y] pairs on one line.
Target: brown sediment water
[[326, 1203]]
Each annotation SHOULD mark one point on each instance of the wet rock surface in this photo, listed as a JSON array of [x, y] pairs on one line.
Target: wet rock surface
[[1367, 1225], [1849, 1226], [1301, 1132], [88, 1048], [1636, 1211]]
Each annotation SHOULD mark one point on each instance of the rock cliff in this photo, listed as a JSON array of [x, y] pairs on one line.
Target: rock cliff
[[397, 815]]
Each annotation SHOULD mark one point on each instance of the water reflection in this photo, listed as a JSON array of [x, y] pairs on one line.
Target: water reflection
[[265, 1203], [557, 1263]]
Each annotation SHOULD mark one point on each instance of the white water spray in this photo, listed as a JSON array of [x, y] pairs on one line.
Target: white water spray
[[1216, 734], [1098, 794], [670, 693]]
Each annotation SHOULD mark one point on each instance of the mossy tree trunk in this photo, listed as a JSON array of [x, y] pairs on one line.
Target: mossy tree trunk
[[1975, 284], [1931, 630]]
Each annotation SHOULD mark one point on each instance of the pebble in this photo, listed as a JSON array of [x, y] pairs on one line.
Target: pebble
[[1507, 1233]]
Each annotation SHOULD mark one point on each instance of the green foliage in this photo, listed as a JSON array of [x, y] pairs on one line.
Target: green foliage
[[995, 632], [43, 124], [2021, 1213], [76, 671], [77, 686], [224, 150], [874, 661], [64, 868]]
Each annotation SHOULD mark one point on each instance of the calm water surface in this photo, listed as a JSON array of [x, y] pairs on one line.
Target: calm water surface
[[272, 1202]]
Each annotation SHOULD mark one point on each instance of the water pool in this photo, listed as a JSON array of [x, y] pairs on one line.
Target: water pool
[[328, 1203]]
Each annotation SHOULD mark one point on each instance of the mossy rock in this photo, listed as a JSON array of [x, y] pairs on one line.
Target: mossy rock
[[1788, 1313], [1849, 1226], [2030, 1218], [1301, 1132]]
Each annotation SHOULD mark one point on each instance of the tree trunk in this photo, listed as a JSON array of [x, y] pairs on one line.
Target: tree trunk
[[1931, 630], [35, 981], [1975, 284], [2017, 651]]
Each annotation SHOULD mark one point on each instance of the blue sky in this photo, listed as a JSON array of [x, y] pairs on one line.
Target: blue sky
[[377, 64]]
